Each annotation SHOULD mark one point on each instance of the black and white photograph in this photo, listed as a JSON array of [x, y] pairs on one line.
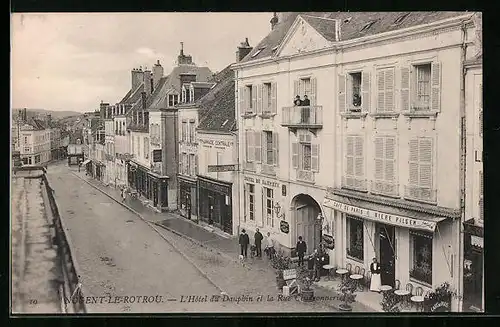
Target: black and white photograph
[[246, 162]]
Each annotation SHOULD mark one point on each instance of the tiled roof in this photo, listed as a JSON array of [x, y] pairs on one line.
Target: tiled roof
[[135, 96], [216, 108], [352, 24], [158, 95], [37, 124], [125, 98], [203, 74], [202, 84]]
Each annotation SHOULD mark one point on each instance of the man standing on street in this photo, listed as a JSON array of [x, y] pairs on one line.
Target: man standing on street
[[269, 246], [244, 241], [301, 250], [258, 242]]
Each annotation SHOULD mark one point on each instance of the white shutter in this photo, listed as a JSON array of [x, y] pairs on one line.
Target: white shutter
[[315, 157], [275, 149], [425, 149], [379, 158], [254, 98], [250, 146], [405, 89], [365, 91], [413, 161], [258, 146], [314, 90], [296, 89], [260, 89], [389, 90], [390, 159], [263, 138], [380, 91], [359, 156], [348, 93], [350, 155], [436, 87], [274, 91], [241, 98], [341, 95], [295, 155]]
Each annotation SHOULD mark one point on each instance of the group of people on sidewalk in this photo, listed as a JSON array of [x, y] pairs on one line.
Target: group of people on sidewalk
[[256, 248]]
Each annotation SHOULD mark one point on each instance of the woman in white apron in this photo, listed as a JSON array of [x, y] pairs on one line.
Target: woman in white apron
[[375, 282]]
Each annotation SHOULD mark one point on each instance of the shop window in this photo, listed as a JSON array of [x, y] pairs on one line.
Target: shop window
[[268, 197], [355, 238], [421, 256]]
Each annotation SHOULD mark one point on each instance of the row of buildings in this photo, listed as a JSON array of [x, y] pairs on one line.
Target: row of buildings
[[384, 161], [39, 140]]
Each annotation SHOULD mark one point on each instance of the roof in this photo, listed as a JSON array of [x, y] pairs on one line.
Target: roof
[[133, 97], [205, 85], [217, 107], [37, 124], [203, 74], [352, 24]]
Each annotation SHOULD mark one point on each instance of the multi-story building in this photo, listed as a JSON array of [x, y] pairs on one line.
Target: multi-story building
[[375, 157], [34, 140], [473, 275]]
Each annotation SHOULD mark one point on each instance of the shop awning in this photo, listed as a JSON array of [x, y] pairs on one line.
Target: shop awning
[[384, 214], [86, 162]]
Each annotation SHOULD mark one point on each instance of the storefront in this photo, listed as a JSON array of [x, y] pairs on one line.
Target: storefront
[[473, 267], [187, 197], [215, 203], [149, 185], [411, 246]]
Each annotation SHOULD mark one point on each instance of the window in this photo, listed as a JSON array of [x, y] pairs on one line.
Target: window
[[184, 131], [421, 256], [192, 165], [37, 159], [250, 98], [173, 99], [25, 140], [354, 168], [355, 82], [29, 161], [385, 90], [355, 238], [421, 169], [26, 149], [192, 131], [305, 154], [269, 202], [306, 87], [146, 148], [191, 94], [269, 148], [267, 98], [385, 165], [183, 97], [423, 87], [251, 201], [187, 166]]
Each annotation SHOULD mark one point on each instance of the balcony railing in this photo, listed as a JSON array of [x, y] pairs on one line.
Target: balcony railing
[[384, 188], [421, 194], [354, 183], [249, 166], [305, 176], [303, 117], [268, 169]]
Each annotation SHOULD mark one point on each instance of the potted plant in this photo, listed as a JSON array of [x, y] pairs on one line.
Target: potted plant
[[390, 302], [439, 300], [280, 263], [305, 282], [347, 288]]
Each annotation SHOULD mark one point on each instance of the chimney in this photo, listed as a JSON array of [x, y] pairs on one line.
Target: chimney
[[243, 49], [182, 59], [137, 77], [25, 115], [157, 73], [274, 21], [49, 120], [147, 82], [102, 109]]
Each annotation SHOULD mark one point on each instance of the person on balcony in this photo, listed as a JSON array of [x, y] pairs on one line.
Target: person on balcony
[[306, 102], [305, 113], [297, 102]]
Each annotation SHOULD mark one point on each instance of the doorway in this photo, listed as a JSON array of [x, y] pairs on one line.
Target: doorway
[[306, 225], [188, 205], [387, 250]]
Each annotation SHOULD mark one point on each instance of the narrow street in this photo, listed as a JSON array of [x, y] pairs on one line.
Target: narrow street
[[121, 255]]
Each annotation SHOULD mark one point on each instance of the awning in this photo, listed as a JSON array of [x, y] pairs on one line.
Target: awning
[[86, 162], [384, 214]]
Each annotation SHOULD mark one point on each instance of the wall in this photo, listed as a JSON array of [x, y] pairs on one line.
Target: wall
[[187, 146]]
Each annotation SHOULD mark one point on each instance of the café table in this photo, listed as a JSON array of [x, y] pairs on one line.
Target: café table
[[418, 300], [356, 278], [385, 288], [329, 269], [403, 295], [342, 272]]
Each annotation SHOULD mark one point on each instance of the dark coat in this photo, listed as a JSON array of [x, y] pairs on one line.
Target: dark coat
[[301, 247], [244, 240], [373, 270], [297, 102], [306, 102], [258, 238]]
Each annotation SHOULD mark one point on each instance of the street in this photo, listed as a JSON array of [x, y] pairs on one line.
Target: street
[[123, 259]]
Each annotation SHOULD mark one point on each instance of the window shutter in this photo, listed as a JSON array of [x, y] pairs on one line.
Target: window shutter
[[389, 90], [365, 91], [425, 162], [251, 146], [274, 91], [341, 95], [413, 161], [405, 89], [358, 152], [254, 98], [380, 91], [350, 155], [260, 89], [295, 155], [263, 142], [314, 90], [348, 93], [315, 157], [390, 159], [436, 87], [275, 149], [296, 89], [258, 146], [379, 158]]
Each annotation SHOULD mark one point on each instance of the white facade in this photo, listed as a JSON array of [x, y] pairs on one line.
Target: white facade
[[34, 145], [121, 145]]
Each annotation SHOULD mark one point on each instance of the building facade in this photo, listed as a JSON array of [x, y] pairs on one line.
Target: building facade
[[34, 140]]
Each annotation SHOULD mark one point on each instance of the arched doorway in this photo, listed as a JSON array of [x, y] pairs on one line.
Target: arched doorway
[[306, 211]]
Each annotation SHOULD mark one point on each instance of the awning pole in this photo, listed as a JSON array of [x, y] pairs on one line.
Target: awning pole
[[370, 238], [444, 252], [390, 243]]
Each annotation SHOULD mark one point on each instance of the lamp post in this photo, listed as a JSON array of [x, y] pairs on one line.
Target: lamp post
[[320, 219]]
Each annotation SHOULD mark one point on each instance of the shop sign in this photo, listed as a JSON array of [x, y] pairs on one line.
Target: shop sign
[[328, 241], [157, 155], [214, 187], [380, 216], [284, 227], [476, 241], [222, 168], [289, 274], [262, 181], [221, 143]]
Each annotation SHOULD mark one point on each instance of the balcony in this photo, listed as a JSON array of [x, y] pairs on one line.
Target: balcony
[[354, 183], [305, 176], [268, 170], [299, 117], [385, 188], [420, 194]]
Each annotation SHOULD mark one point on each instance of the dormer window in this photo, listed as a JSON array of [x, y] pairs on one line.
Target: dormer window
[[191, 94], [257, 52], [183, 95], [400, 19], [367, 26]]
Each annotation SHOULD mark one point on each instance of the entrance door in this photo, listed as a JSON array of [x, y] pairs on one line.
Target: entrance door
[[386, 255], [210, 210], [188, 204], [306, 226], [473, 280]]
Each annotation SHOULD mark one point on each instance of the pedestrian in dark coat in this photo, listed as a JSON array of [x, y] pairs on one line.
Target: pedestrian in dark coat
[[317, 264], [306, 102], [244, 241], [258, 242], [297, 102], [301, 248]]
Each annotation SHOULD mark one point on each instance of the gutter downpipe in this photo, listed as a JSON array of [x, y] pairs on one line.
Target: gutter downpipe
[[238, 133]]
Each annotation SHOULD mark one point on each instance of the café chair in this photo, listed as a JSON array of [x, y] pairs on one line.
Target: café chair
[[349, 268], [368, 278], [363, 273], [357, 270], [418, 298], [397, 285]]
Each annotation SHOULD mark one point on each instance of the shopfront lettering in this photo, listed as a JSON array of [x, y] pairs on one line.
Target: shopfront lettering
[[216, 142], [380, 216], [264, 182]]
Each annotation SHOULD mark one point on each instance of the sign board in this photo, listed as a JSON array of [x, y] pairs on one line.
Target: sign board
[[289, 274], [381, 217], [157, 155], [222, 168], [284, 227]]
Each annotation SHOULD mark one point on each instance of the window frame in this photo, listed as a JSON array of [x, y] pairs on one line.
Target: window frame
[[350, 253], [269, 148], [416, 67], [413, 234], [251, 201], [268, 205]]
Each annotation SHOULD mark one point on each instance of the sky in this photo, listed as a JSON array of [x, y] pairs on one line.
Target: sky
[[73, 61]]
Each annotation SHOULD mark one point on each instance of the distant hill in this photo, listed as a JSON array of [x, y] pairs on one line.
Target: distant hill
[[55, 114]]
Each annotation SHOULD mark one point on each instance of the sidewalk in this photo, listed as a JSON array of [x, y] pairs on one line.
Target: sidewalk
[[223, 246]]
